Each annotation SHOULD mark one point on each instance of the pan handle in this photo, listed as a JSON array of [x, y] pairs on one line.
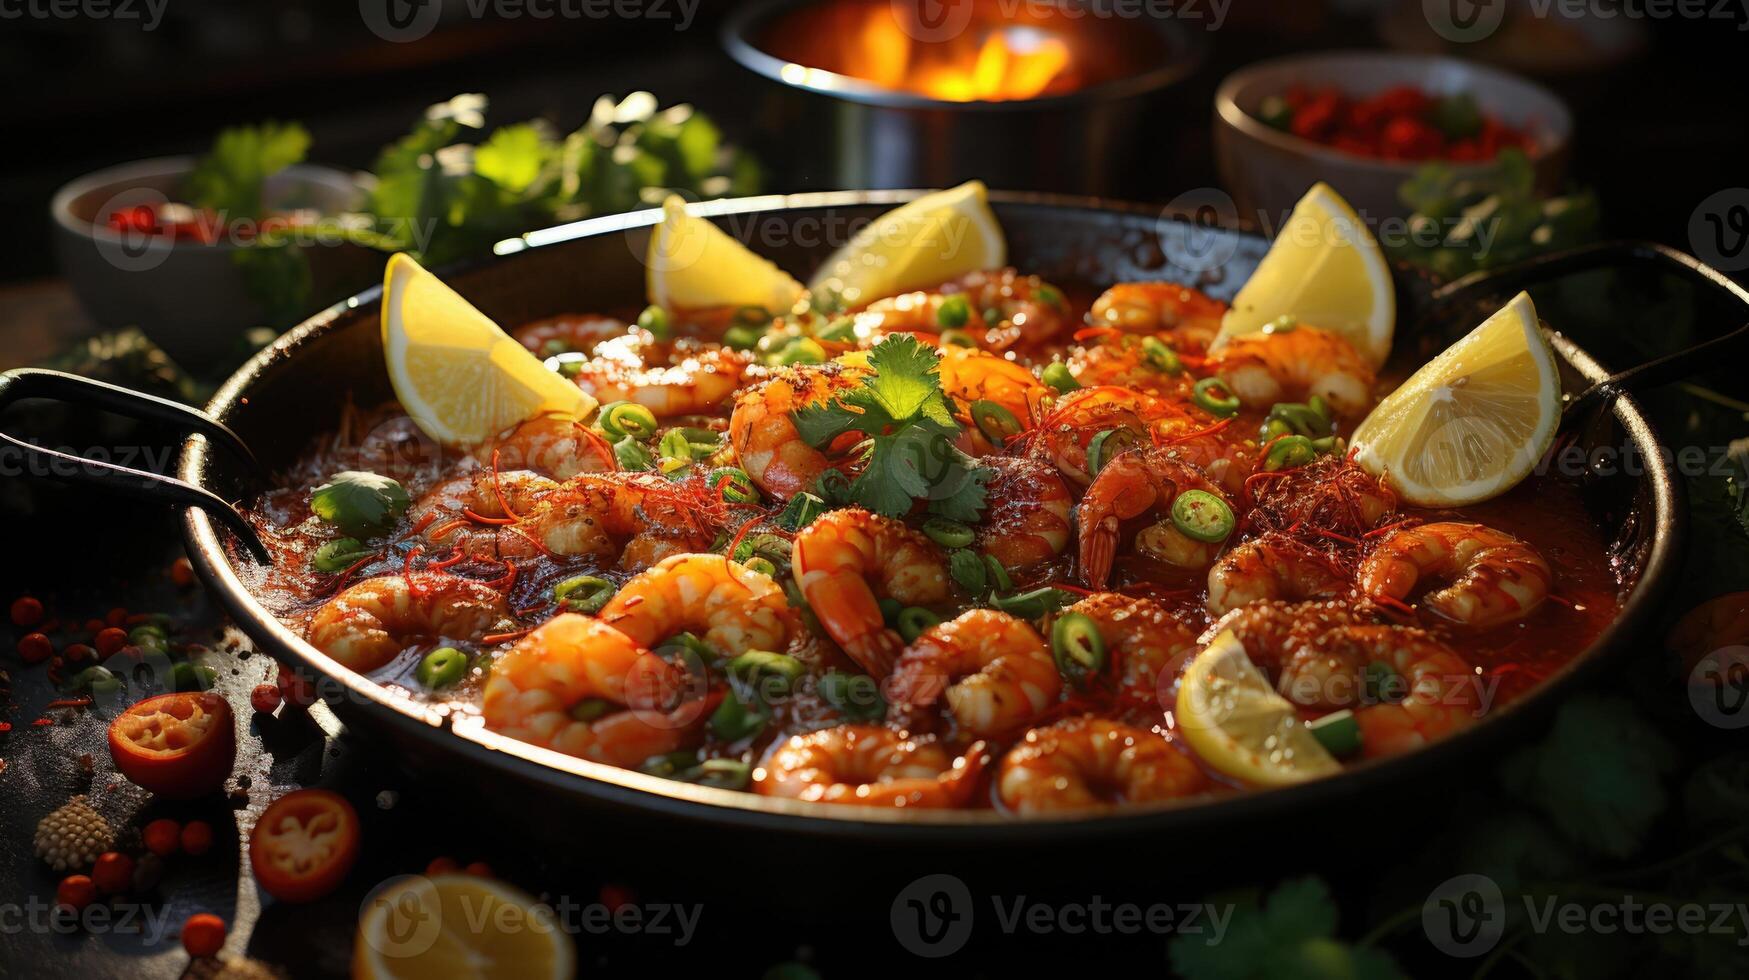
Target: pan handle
[[1584, 258], [26, 383]]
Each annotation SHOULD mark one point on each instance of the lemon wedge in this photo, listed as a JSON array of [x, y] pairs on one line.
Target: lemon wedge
[[1325, 270], [935, 238], [1238, 724], [458, 927], [692, 264], [459, 376], [1473, 421]]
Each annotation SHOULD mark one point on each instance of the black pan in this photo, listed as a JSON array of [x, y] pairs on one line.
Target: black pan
[[292, 392]]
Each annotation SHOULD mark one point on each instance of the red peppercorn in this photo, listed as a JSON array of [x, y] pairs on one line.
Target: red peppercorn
[[110, 640], [615, 897], [203, 934], [197, 837], [117, 616], [95, 626], [442, 866], [264, 698], [294, 689], [78, 653], [34, 648], [27, 611], [163, 836], [75, 892], [113, 872]]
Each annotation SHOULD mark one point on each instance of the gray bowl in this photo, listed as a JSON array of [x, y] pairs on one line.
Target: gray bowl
[[188, 297], [1267, 171]]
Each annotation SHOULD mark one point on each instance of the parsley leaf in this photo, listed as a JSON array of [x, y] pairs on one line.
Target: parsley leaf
[[229, 179], [908, 454]]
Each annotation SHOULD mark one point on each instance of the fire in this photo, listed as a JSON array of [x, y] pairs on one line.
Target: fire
[[1001, 62]]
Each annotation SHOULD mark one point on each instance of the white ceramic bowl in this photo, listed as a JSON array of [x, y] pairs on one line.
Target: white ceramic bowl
[[190, 298], [1267, 170]]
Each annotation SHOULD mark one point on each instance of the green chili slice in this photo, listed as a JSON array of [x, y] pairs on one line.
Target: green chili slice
[[948, 534], [633, 455], [1338, 732], [762, 671], [1203, 516], [655, 320], [1077, 647], [1108, 445], [997, 424], [734, 484], [340, 554], [1036, 604], [674, 445], [1289, 452], [855, 696], [584, 593], [441, 668], [1160, 356], [627, 419], [752, 316], [954, 312], [999, 579], [958, 338], [1225, 404], [912, 621], [734, 720], [742, 337]]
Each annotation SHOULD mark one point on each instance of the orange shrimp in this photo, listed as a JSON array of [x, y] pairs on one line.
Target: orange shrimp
[[995, 671], [1273, 566], [1178, 314], [1003, 308], [1149, 643], [764, 435], [1089, 762], [846, 560], [1137, 483], [370, 622], [1491, 577], [556, 447], [1028, 513], [865, 765], [1293, 365]]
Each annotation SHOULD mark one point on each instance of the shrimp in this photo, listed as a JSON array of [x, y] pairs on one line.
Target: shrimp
[[555, 447], [1004, 308], [1491, 578], [568, 332], [1172, 312], [1064, 434], [1273, 566], [632, 516], [764, 435], [866, 765], [1321, 656], [679, 377], [732, 608], [1132, 363], [464, 511], [1027, 518], [1136, 483], [548, 691], [1331, 493], [1149, 643], [1089, 762], [995, 671], [969, 375], [847, 560], [1293, 365], [368, 623]]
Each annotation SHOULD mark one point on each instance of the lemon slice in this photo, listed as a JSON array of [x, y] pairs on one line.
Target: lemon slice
[[1324, 270], [461, 378], [935, 238], [1473, 421], [1234, 720], [694, 265], [458, 927]]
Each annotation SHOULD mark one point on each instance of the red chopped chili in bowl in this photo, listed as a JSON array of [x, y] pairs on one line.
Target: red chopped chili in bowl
[[1399, 123]]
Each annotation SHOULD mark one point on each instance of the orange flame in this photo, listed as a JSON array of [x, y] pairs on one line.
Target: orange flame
[[1008, 63]]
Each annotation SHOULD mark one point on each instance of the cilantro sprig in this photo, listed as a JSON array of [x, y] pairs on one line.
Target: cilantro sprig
[[908, 452]]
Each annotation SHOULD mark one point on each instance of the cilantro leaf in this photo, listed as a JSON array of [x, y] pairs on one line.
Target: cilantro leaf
[[909, 454], [229, 179], [515, 156]]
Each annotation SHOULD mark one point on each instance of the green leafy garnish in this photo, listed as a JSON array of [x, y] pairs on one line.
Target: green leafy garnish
[[909, 453], [359, 503], [1289, 934], [230, 178]]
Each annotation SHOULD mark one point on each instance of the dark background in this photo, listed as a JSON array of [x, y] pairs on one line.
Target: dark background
[[1655, 135]]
